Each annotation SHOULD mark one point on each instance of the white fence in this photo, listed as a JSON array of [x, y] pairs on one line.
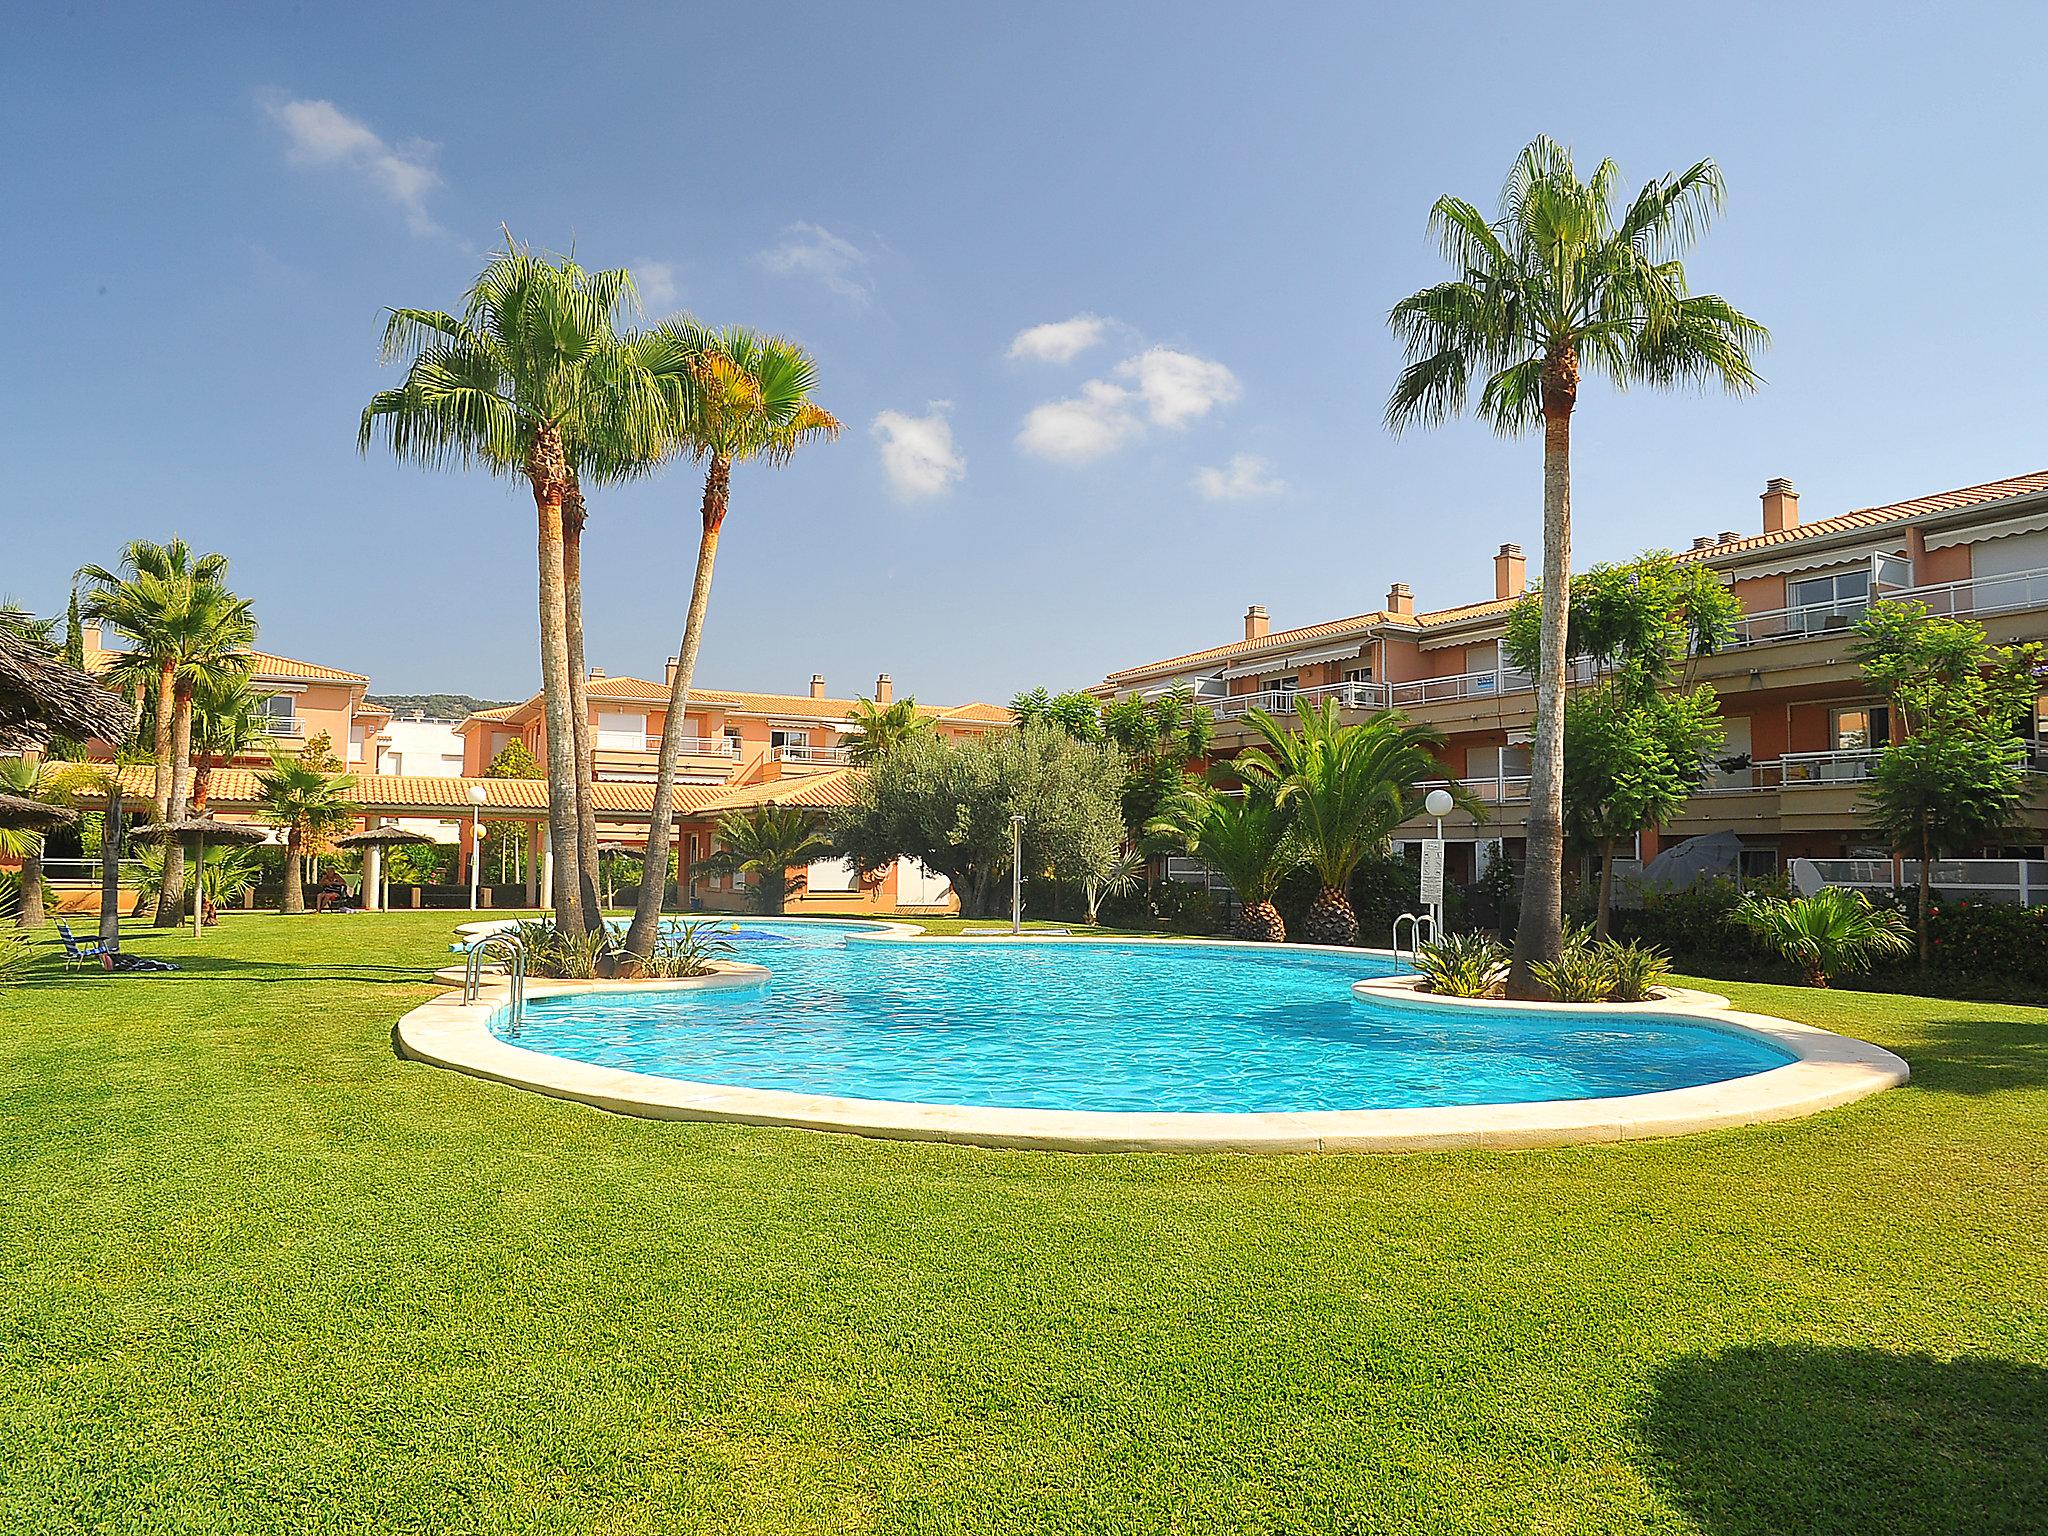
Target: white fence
[[2022, 881]]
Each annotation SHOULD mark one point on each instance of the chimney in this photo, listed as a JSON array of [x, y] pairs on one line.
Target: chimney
[[1705, 541], [817, 685], [1510, 572], [884, 689], [1256, 625], [1401, 599], [1781, 506], [597, 672], [1728, 536], [669, 676], [89, 636]]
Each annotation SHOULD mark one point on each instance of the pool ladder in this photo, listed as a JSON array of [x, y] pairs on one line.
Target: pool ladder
[[514, 950], [1421, 930]]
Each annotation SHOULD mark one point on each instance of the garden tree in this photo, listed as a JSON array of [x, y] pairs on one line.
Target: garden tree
[[59, 785], [878, 729], [1634, 747], [183, 628], [949, 804], [227, 723], [1074, 713], [1246, 838], [1828, 934], [1161, 739], [1956, 773], [311, 805], [514, 761], [531, 380], [1346, 788], [1563, 283], [1633, 756], [732, 397], [506, 840], [764, 843]]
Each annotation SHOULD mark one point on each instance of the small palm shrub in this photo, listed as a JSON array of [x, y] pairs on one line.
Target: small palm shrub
[[1463, 965], [1831, 933], [1579, 974], [1634, 971], [16, 951], [686, 950], [564, 956]]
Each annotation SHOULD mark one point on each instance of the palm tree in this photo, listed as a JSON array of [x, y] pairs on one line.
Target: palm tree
[[879, 729], [530, 380], [58, 785], [765, 842], [1348, 787], [310, 805], [227, 723], [1246, 838], [734, 396], [185, 629], [1562, 284], [1828, 934]]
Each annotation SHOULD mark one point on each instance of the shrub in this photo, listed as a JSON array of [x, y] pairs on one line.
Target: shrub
[[685, 950], [1463, 965], [1578, 975], [1185, 908], [16, 951], [1633, 971], [1828, 934], [565, 956]]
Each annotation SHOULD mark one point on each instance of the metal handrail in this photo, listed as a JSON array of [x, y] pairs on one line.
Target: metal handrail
[[473, 973], [1418, 923]]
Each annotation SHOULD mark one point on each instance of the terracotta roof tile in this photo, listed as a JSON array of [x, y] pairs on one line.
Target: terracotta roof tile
[[803, 705], [1990, 492], [262, 665]]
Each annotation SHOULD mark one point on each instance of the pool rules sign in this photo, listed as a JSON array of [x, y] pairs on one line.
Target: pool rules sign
[[1433, 872]]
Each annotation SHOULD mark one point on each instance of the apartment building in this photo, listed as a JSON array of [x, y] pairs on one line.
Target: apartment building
[[1802, 727]]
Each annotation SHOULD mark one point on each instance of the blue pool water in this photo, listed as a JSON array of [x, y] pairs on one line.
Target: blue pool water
[[1114, 1027]]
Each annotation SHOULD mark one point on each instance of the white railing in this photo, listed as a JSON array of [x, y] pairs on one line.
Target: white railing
[[699, 746], [2024, 881], [85, 871], [283, 725], [1479, 685], [1280, 701], [1973, 596], [1807, 769], [1502, 789], [798, 753]]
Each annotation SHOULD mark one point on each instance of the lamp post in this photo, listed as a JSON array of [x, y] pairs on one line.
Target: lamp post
[[1016, 873], [1438, 804], [477, 796]]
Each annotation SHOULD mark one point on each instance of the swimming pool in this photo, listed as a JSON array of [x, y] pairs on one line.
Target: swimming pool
[[1105, 1026]]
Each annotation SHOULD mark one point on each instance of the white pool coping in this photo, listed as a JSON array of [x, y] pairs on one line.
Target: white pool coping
[[1829, 1070]]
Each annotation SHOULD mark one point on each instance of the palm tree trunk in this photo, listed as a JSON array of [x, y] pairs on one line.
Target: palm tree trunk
[[166, 706], [113, 837], [546, 471], [573, 519], [32, 915], [647, 909], [170, 904], [1600, 923], [1540, 933], [294, 875]]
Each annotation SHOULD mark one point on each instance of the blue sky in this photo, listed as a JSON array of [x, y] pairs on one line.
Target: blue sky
[[1208, 207]]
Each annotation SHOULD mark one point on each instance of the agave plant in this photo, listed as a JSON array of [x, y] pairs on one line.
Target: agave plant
[[1831, 933], [1245, 838]]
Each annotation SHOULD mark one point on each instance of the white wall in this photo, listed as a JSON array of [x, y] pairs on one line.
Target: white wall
[[422, 749]]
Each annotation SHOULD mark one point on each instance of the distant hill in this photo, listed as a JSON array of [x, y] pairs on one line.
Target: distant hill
[[438, 706]]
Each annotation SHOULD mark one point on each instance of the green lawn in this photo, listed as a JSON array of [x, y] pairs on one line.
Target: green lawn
[[259, 1274]]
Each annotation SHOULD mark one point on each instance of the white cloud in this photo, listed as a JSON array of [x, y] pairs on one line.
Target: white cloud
[[1178, 386], [918, 453], [1059, 341], [318, 133], [1245, 477], [1097, 421], [810, 250], [656, 281]]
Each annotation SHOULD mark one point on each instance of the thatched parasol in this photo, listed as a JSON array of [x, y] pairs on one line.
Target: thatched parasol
[[42, 694], [193, 831], [16, 811], [373, 841]]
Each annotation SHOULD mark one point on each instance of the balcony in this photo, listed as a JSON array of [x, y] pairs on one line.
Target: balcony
[[1279, 701], [1810, 770], [802, 754], [687, 746], [284, 725], [1975, 597]]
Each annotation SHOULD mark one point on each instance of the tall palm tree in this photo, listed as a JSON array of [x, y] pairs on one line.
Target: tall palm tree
[[310, 805], [530, 380], [1347, 787], [1563, 283], [734, 397], [227, 723], [185, 630], [765, 842], [1246, 838], [879, 729]]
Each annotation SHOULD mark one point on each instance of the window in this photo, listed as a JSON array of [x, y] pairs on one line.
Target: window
[[621, 733], [280, 714], [833, 877], [1356, 682], [1829, 602], [1862, 728], [732, 742], [1282, 688], [794, 744]]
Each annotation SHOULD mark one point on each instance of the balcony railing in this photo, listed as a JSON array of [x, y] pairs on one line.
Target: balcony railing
[[1503, 789], [283, 725], [1275, 701], [799, 753], [1972, 597], [691, 746], [1807, 770]]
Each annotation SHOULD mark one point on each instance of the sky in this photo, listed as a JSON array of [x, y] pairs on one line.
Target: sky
[[1099, 292]]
